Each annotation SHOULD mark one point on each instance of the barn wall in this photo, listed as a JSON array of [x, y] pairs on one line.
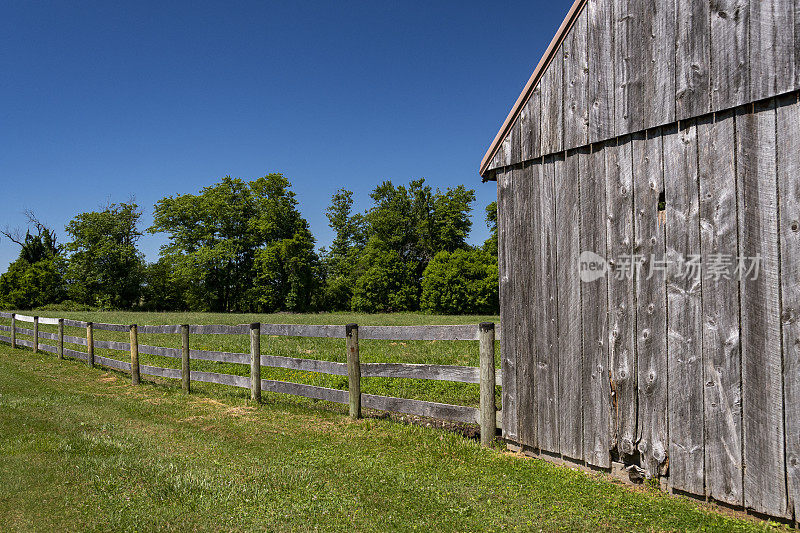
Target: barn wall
[[694, 379], [630, 65]]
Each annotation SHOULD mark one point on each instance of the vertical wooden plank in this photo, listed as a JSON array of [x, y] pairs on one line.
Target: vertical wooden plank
[[530, 138], [628, 84], [576, 84], [771, 48], [255, 361], [622, 357], [515, 138], [719, 245], [14, 330], [547, 331], [186, 376], [353, 371], [61, 338], [788, 128], [523, 289], [684, 306], [568, 288], [762, 391], [552, 84], [657, 19], [508, 357], [651, 323], [487, 407], [596, 380], [36, 334], [692, 59], [89, 344], [134, 334], [729, 77], [600, 15]]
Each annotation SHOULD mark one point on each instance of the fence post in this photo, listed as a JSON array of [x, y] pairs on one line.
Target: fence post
[[353, 371], [255, 361], [36, 334], [61, 338], [185, 377], [89, 344], [13, 330], [134, 354], [488, 413]]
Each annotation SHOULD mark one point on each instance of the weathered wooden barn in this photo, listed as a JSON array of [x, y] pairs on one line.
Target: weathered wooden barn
[[664, 136]]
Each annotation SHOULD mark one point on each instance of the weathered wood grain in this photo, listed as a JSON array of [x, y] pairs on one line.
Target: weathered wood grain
[[75, 340], [628, 85], [113, 363], [547, 311], [721, 373], [771, 48], [788, 166], [219, 329], [134, 336], [729, 50], [508, 361], [159, 350], [600, 61], [159, 329], [515, 134], [47, 335], [26, 331], [488, 413], [353, 371], [3, 314], [75, 354], [48, 348], [521, 320], [762, 386], [303, 330], [147, 370], [220, 357], [530, 126], [442, 411], [458, 374], [651, 323], [692, 59], [568, 286], [255, 361], [594, 314], [552, 84], [576, 84], [185, 368], [468, 332], [657, 19], [221, 379], [109, 327], [5, 338], [5, 328], [684, 306], [74, 323], [113, 345], [306, 391], [621, 308]]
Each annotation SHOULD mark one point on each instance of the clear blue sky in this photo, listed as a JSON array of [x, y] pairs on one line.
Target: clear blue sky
[[103, 100]]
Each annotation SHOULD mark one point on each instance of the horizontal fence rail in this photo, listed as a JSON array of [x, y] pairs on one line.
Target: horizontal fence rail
[[485, 375]]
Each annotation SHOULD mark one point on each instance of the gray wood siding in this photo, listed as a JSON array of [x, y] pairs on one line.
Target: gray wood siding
[[629, 65]]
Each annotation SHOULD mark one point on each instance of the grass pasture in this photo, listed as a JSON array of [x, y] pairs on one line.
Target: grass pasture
[[83, 450]]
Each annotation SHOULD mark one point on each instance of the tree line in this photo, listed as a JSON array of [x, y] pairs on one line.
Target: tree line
[[243, 246]]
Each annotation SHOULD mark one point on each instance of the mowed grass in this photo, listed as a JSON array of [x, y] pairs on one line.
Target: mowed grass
[[463, 353], [83, 450]]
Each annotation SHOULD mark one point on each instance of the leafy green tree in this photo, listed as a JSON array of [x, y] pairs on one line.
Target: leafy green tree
[[105, 267], [163, 289], [490, 246], [388, 284], [461, 282], [237, 245], [347, 245], [413, 223], [36, 278]]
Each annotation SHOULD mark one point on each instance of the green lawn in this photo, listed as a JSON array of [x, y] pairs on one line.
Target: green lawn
[[433, 352], [83, 450]]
